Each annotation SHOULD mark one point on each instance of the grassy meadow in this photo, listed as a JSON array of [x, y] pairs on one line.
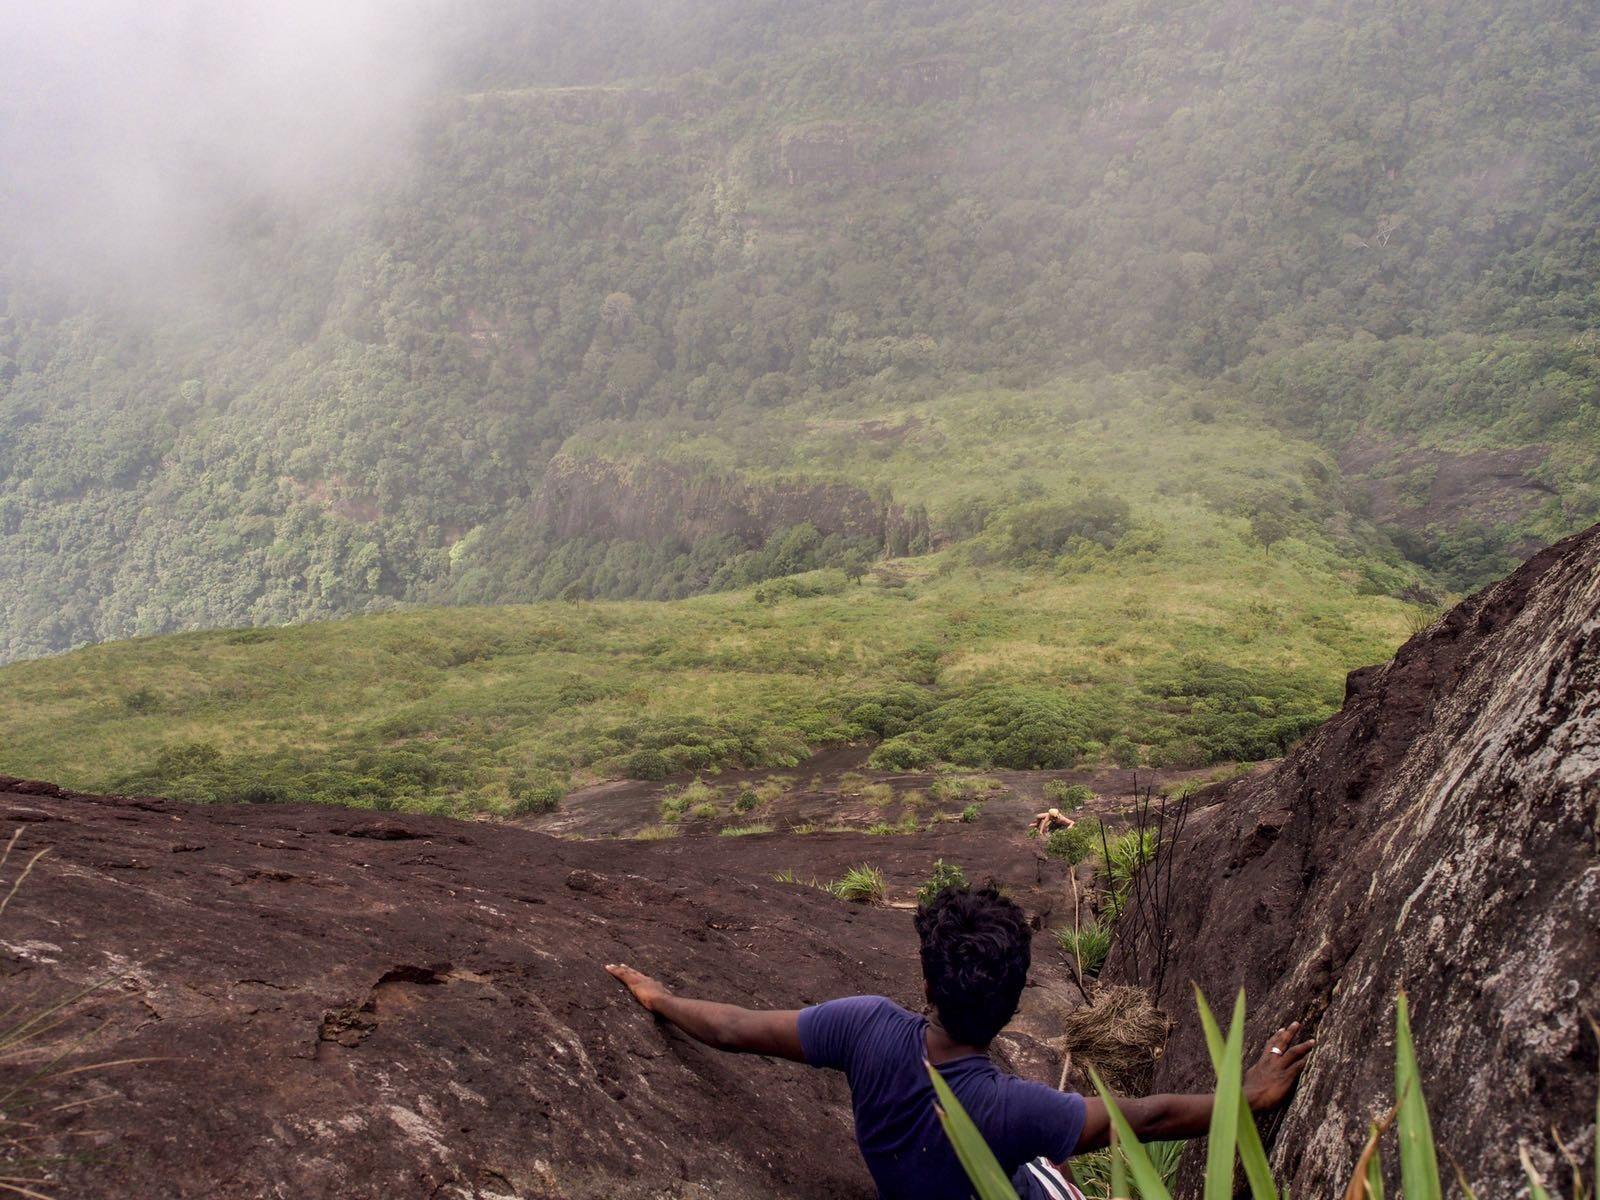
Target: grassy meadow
[[1190, 638]]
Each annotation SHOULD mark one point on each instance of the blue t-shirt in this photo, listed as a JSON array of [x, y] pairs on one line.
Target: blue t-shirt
[[881, 1048]]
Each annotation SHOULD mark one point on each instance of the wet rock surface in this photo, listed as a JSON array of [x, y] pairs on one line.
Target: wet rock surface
[[1438, 834]]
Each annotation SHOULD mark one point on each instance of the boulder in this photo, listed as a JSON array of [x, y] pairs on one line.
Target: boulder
[[1437, 835]]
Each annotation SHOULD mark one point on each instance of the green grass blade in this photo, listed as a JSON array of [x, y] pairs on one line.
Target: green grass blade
[[1224, 1136], [1119, 1171], [1419, 1163], [1375, 1177], [979, 1162], [1145, 1174], [1251, 1151], [1254, 1157]]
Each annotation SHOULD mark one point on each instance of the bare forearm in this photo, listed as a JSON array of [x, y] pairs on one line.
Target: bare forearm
[[720, 1026], [1169, 1117], [1161, 1118]]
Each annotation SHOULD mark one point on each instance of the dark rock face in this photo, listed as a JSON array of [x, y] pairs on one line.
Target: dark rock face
[[1438, 834], [1428, 488], [353, 1005], [348, 1004]]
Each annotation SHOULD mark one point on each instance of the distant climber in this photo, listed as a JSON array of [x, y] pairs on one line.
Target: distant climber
[[1051, 819], [975, 959]]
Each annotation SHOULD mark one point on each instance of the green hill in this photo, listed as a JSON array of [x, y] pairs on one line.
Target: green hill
[[1163, 360], [1139, 579], [1372, 224]]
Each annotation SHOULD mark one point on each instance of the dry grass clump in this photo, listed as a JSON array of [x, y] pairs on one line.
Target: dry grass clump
[[1120, 1034]]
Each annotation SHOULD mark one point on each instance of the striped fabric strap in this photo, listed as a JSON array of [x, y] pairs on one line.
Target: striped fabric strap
[[1055, 1184]]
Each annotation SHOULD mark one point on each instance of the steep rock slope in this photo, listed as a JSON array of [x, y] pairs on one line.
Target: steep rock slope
[[341, 1004], [1438, 834], [330, 1003]]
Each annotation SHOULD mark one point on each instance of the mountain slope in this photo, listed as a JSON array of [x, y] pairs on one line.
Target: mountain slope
[[718, 212]]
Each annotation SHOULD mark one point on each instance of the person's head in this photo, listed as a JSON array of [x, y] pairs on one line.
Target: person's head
[[976, 947]]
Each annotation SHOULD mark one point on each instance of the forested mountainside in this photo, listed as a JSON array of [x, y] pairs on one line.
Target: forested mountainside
[[720, 249]]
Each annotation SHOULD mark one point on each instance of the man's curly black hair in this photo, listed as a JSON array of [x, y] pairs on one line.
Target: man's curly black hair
[[976, 948]]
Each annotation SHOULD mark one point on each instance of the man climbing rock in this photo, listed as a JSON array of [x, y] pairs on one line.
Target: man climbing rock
[[1051, 819], [976, 950]]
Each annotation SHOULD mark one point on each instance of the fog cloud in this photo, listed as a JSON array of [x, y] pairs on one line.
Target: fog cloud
[[132, 131]]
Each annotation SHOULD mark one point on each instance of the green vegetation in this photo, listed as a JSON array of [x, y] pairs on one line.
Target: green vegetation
[[997, 727], [889, 829], [1094, 1171], [656, 833], [744, 830], [1121, 442], [1126, 854], [1088, 944], [860, 885], [1069, 797], [945, 875], [665, 220], [1075, 845], [497, 710]]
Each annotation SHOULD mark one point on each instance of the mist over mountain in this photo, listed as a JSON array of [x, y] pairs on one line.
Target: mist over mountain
[[309, 313]]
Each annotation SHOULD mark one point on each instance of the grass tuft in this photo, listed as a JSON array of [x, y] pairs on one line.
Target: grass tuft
[[860, 885]]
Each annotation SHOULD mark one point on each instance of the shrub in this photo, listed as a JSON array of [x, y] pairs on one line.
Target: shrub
[[945, 875], [1075, 844], [969, 814], [1046, 528], [144, 700], [1088, 944], [860, 885], [188, 758], [1126, 854], [533, 794], [1124, 752], [746, 800], [901, 754], [891, 712], [703, 812], [1019, 727], [646, 764], [1067, 796], [1216, 712]]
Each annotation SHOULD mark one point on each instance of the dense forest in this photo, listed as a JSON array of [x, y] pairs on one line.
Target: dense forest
[[685, 231]]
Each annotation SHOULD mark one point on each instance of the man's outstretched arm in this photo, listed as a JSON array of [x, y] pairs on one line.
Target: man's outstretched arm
[[1170, 1118], [720, 1026]]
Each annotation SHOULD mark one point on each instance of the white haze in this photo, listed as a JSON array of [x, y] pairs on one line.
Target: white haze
[[133, 131]]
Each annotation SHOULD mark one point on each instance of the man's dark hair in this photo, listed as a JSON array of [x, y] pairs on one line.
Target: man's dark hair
[[976, 947]]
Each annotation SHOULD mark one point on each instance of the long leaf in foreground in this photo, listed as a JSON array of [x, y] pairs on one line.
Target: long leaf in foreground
[[1224, 1135], [1146, 1176], [977, 1160], [1419, 1163], [1251, 1152]]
